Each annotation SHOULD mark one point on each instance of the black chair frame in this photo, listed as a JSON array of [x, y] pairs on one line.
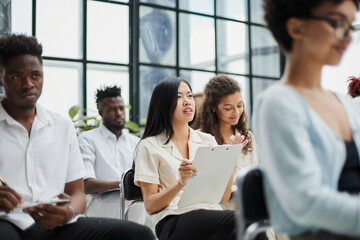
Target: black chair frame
[[251, 213], [129, 192]]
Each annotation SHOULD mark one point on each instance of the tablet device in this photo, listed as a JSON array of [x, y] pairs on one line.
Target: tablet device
[[51, 201], [214, 167]]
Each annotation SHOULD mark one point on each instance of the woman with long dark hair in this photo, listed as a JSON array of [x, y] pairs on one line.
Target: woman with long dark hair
[[163, 166]]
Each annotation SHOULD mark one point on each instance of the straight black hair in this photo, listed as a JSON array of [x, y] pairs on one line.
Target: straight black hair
[[162, 107]]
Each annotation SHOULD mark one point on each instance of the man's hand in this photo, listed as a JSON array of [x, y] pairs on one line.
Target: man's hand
[[50, 216], [9, 199]]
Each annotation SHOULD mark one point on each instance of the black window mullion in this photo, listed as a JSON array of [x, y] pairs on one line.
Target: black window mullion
[[134, 62], [84, 64], [250, 56], [177, 39], [33, 22], [216, 42]]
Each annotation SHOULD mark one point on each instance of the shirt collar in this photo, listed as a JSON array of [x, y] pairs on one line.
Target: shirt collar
[[162, 138], [42, 115], [107, 133]]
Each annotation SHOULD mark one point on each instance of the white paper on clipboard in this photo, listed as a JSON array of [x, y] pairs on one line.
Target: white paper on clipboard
[[214, 167]]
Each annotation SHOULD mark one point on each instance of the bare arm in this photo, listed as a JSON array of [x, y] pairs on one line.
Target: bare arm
[[75, 190], [93, 185], [227, 192], [156, 201], [233, 140]]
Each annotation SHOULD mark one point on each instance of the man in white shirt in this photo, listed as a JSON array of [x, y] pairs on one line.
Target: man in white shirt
[[108, 152], [40, 159]]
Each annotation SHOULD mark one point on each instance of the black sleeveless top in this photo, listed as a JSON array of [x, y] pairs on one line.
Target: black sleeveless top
[[350, 175]]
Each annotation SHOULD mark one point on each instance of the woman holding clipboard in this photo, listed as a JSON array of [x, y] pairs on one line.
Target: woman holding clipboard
[[163, 166]]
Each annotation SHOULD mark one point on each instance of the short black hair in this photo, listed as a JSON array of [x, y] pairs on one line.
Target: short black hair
[[106, 92], [14, 45], [278, 12]]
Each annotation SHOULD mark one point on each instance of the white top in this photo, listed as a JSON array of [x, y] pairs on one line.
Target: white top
[[302, 159], [158, 163], [38, 167], [357, 100], [249, 159], [106, 157]]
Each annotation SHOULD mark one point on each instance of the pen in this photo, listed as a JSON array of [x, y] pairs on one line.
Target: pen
[[3, 182]]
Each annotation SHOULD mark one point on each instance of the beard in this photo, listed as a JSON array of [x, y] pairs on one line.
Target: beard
[[29, 106], [114, 127]]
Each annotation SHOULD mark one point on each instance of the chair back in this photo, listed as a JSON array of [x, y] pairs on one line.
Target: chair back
[[252, 213], [129, 190]]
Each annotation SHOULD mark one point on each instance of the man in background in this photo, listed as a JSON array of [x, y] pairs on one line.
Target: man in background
[[108, 152]]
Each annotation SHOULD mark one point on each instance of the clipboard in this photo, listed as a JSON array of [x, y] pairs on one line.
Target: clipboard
[[214, 167]]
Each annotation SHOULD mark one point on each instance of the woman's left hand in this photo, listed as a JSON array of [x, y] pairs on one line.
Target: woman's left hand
[[238, 139]]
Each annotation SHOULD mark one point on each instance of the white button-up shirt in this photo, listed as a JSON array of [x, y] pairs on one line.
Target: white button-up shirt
[[39, 166], [105, 157]]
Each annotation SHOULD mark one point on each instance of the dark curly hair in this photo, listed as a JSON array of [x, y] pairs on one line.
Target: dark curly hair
[[354, 86], [277, 12], [218, 87], [107, 91], [14, 45]]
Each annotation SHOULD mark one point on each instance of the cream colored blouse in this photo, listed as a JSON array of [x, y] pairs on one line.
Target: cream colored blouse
[[158, 163]]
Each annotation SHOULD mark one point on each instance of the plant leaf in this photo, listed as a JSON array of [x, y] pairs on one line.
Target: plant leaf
[[132, 126], [84, 118], [73, 111]]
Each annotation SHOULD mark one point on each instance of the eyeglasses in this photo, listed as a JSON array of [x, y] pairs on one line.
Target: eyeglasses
[[341, 25]]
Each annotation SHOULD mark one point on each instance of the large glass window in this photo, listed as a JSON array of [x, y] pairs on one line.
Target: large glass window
[[58, 27], [149, 77], [157, 36], [21, 24], [197, 42], [62, 86], [233, 55], [107, 32], [99, 76], [235, 9], [265, 53], [135, 44], [201, 6]]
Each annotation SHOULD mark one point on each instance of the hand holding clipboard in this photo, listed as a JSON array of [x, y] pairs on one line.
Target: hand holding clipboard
[[214, 166]]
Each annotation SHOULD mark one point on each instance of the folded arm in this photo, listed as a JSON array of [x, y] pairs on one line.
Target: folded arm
[[93, 185]]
